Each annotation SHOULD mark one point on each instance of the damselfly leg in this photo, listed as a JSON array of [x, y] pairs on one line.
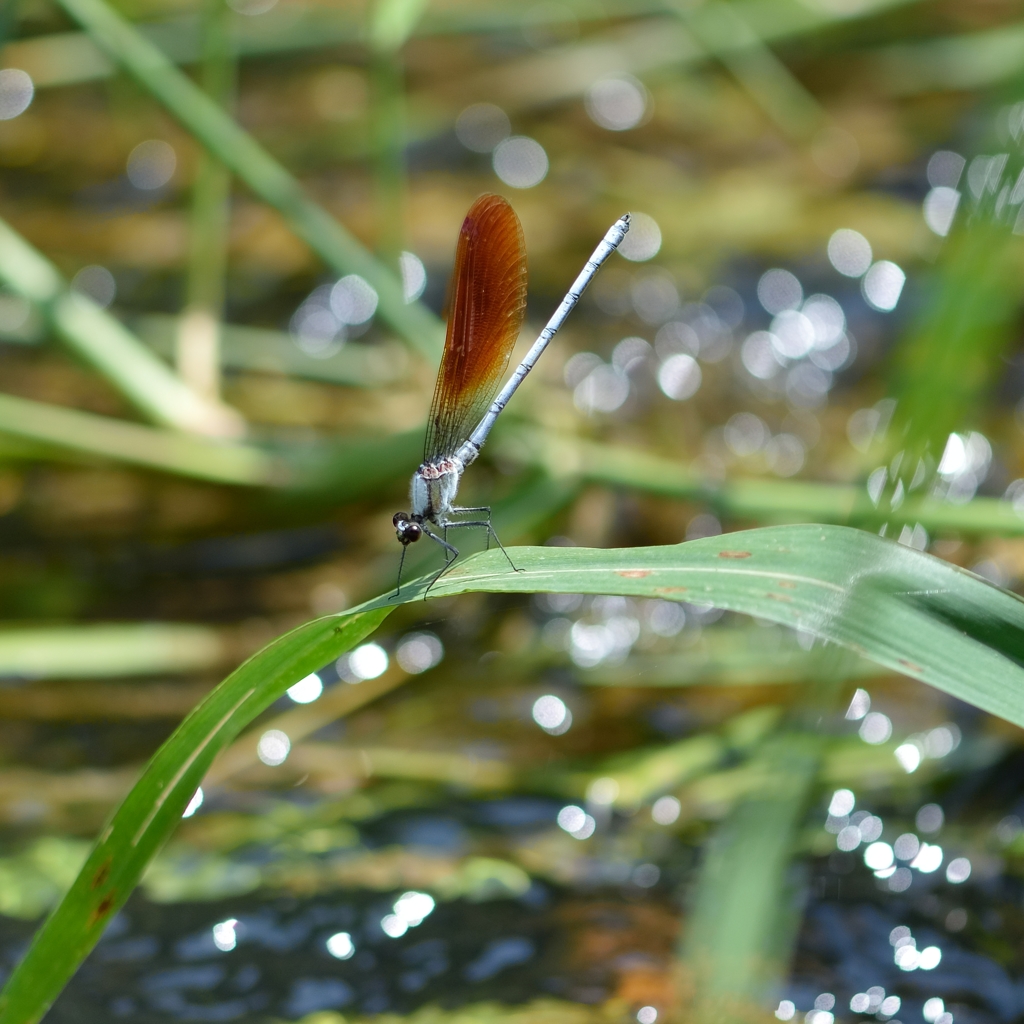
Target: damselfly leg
[[450, 553], [452, 524], [486, 524]]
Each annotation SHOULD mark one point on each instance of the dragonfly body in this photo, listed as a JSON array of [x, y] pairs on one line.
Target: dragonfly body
[[487, 308]]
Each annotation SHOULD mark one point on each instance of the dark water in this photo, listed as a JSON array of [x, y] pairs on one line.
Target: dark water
[[160, 963]]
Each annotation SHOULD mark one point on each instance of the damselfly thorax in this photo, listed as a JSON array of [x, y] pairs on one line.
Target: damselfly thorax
[[433, 488]]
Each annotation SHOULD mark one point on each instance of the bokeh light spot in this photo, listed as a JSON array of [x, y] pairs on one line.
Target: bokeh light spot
[[273, 747], [617, 102], [482, 126], [16, 92], [849, 252], [520, 162], [151, 164], [643, 240]]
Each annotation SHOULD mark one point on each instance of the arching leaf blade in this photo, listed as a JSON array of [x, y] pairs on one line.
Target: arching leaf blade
[[899, 607], [152, 810]]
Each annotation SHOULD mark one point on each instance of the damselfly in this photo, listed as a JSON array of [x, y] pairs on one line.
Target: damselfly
[[486, 309]]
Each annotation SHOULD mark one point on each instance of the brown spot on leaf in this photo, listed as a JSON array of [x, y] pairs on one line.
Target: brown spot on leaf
[[788, 584], [103, 908], [909, 665], [633, 574], [733, 554], [102, 874], [780, 597], [671, 590]]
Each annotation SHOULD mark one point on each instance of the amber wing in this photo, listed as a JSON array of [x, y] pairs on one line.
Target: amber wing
[[486, 308]]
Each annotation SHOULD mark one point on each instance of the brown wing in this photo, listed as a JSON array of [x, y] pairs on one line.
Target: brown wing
[[487, 304]]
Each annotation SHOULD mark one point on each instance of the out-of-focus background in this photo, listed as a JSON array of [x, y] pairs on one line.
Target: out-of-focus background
[[500, 808]]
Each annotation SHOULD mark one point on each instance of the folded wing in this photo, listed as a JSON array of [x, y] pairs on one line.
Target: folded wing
[[486, 309]]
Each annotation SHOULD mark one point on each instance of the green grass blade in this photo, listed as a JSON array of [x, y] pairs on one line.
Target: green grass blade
[[767, 501], [900, 608], [108, 346], [969, 60], [896, 606], [54, 426], [358, 466], [269, 351], [250, 162], [388, 137], [151, 811], [199, 330], [736, 947], [390, 25], [107, 650], [725, 33], [958, 347], [66, 58]]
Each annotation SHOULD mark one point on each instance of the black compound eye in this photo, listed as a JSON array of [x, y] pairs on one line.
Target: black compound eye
[[407, 530]]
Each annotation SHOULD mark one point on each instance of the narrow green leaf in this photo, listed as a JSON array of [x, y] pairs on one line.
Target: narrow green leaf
[[263, 350], [392, 22], [738, 934], [239, 151], [199, 329], [66, 58], [106, 650], [909, 611], [89, 434], [767, 501], [957, 348], [723, 30], [154, 807], [968, 60], [108, 346]]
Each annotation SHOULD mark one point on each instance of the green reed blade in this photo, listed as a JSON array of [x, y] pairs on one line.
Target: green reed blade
[[723, 30], [66, 58], [199, 330], [741, 926], [108, 346], [85, 433], [765, 500], [250, 162], [269, 351], [108, 650]]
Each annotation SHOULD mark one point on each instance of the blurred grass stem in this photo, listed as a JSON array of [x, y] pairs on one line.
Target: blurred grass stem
[[739, 933], [109, 347], [391, 24], [760, 500], [164, 450], [223, 137], [198, 348], [726, 34]]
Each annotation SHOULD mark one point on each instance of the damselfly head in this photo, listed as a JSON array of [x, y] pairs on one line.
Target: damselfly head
[[406, 528]]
